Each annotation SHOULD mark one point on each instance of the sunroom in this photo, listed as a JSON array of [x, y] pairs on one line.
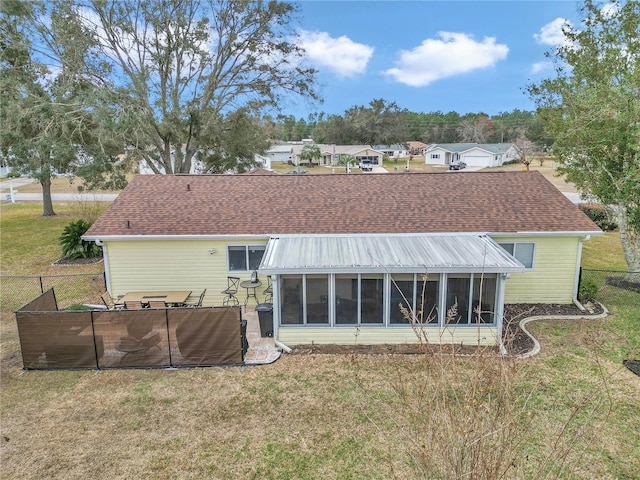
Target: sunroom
[[377, 287]]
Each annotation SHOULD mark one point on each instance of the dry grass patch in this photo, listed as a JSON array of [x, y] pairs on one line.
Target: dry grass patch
[[287, 421], [547, 170], [312, 416]]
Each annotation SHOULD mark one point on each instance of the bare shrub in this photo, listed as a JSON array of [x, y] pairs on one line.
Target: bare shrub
[[472, 416], [87, 208]]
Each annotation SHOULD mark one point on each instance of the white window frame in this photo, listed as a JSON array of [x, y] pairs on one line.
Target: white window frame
[[515, 250], [246, 256]]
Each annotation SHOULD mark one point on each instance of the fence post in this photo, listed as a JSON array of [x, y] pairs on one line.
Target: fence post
[[41, 286]]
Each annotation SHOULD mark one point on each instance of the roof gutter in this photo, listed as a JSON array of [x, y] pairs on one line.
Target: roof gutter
[[127, 238], [547, 234]]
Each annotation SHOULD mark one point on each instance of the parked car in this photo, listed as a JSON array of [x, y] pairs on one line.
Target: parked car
[[366, 166], [457, 165]]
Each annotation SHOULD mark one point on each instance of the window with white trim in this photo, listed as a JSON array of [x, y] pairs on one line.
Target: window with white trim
[[524, 252], [470, 298], [244, 258], [435, 155]]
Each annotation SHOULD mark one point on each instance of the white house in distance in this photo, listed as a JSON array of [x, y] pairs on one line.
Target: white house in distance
[[473, 154], [282, 153], [392, 151]]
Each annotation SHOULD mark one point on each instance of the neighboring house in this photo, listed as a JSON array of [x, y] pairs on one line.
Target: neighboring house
[[5, 170], [416, 148], [473, 154], [331, 154], [344, 251], [392, 151], [281, 153], [263, 161]]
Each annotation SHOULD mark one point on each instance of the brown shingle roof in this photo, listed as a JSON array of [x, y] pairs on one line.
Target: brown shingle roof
[[333, 204]]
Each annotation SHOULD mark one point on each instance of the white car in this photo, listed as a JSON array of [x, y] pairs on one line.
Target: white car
[[366, 166]]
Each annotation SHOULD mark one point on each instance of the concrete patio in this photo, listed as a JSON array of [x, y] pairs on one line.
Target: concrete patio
[[262, 350]]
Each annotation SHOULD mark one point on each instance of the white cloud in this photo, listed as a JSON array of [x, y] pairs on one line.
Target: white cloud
[[452, 54], [610, 10], [551, 33], [540, 67], [341, 55]]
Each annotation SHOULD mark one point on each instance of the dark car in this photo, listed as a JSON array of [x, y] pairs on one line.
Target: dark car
[[457, 165]]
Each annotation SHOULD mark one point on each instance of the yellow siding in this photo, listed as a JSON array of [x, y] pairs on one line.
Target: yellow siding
[[175, 265], [376, 336], [552, 279]]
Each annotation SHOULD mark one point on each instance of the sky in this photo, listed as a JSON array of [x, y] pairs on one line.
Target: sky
[[429, 56]]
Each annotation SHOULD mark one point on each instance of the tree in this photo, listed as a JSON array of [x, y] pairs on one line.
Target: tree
[[310, 152], [592, 108], [346, 161], [524, 149], [476, 129], [380, 123], [182, 67], [48, 98], [237, 138]]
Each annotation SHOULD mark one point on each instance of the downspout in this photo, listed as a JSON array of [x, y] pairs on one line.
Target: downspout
[[499, 314], [105, 259], [275, 282], [576, 279], [282, 346]]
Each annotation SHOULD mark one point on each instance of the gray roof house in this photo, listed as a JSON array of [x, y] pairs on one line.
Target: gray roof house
[[473, 154]]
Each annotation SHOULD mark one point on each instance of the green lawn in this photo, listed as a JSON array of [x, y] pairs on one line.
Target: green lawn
[[569, 412]]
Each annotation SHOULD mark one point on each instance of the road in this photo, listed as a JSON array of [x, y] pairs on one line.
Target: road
[[5, 192]]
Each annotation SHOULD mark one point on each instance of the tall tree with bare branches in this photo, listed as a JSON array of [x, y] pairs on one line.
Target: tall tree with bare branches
[[187, 72]]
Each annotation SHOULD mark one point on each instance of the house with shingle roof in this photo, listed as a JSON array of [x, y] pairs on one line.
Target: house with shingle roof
[[473, 154], [344, 252], [331, 154], [417, 148], [393, 151]]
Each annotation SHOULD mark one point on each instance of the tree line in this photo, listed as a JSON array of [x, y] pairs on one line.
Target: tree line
[[384, 123]]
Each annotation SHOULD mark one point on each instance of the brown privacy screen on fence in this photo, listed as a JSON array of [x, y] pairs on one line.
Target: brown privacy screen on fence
[[129, 338], [44, 303]]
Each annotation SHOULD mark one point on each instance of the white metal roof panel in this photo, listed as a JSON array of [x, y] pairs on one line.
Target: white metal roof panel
[[387, 254]]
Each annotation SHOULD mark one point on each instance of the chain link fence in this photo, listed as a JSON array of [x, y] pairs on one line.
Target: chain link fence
[[609, 286], [15, 291]]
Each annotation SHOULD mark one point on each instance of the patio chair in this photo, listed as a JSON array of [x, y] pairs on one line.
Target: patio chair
[[201, 299], [268, 292], [157, 304], [108, 301], [133, 305], [140, 337], [230, 292]]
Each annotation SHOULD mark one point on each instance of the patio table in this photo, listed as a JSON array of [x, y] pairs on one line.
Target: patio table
[[248, 284], [169, 297]]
